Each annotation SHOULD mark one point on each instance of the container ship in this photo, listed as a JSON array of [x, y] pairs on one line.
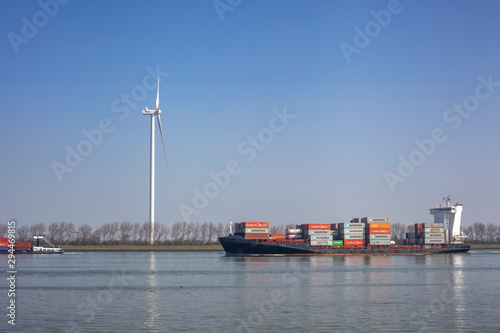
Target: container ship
[[27, 247], [360, 236]]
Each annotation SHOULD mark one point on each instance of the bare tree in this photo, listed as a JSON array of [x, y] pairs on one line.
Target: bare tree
[[23, 233], [176, 232], [98, 236], [135, 234], [3, 230], [276, 229], [491, 232], [195, 232], [479, 231], [203, 232], [161, 233], [125, 232], [54, 233], [398, 232], [37, 228], [146, 231], [212, 231], [85, 234]]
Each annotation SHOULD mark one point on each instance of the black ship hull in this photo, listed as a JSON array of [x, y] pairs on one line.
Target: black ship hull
[[237, 245]]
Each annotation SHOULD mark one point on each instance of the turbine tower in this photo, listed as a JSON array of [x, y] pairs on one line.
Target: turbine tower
[[154, 114]]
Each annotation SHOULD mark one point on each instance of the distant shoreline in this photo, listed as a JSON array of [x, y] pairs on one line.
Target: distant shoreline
[[190, 248], [146, 248]]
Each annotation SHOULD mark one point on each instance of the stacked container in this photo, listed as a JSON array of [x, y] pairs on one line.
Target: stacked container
[[433, 233], [378, 230], [4, 244], [253, 230], [318, 234], [295, 233], [352, 233], [22, 246]]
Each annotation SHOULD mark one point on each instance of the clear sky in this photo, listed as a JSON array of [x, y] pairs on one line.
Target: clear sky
[[306, 111]]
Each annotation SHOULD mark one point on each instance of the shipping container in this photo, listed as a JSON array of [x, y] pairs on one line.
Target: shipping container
[[294, 236], [351, 231], [356, 220], [378, 225], [4, 249], [317, 226], [338, 242], [378, 231], [380, 242], [256, 230], [380, 236], [433, 225], [294, 231], [319, 232], [245, 225], [352, 225], [278, 236], [334, 226], [22, 246], [320, 237], [354, 242], [321, 243], [256, 236], [435, 235], [434, 230], [434, 241], [375, 219], [355, 236]]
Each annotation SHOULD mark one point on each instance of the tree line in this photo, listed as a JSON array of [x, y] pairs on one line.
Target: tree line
[[184, 233]]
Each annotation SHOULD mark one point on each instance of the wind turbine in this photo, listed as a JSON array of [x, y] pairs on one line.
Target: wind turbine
[[153, 114]]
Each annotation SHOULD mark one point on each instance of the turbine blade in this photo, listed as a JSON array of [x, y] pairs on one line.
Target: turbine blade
[[158, 96], [163, 142]]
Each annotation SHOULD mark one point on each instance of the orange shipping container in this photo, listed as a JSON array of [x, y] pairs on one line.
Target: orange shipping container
[[278, 236], [380, 231], [354, 242], [255, 224], [317, 226], [378, 225], [256, 236]]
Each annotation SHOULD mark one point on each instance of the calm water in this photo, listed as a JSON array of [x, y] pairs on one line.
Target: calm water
[[209, 292]]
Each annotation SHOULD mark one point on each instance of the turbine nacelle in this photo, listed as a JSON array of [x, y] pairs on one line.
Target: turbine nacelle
[[147, 111]]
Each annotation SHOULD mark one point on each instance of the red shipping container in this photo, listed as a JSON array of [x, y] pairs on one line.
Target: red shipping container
[[385, 231], [255, 225], [256, 236], [278, 236], [22, 246], [4, 242], [354, 242], [317, 226]]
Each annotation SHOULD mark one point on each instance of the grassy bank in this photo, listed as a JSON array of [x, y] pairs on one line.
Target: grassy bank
[[171, 248], [485, 246]]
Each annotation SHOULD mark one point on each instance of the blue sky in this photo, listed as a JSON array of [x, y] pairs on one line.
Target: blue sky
[[232, 68]]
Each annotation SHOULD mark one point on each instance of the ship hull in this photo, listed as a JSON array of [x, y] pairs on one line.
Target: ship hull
[[237, 245]]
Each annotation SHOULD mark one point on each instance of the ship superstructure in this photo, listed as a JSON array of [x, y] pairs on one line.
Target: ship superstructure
[[451, 216]]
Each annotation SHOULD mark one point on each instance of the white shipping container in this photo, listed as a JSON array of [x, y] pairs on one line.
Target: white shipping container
[[322, 237], [293, 236], [256, 230], [352, 231], [375, 219], [294, 231], [355, 236], [318, 232], [352, 225], [320, 243], [380, 236]]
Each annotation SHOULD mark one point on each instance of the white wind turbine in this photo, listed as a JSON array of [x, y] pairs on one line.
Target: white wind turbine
[[153, 114]]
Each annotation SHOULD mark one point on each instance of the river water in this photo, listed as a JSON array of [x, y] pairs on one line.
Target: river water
[[209, 292]]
